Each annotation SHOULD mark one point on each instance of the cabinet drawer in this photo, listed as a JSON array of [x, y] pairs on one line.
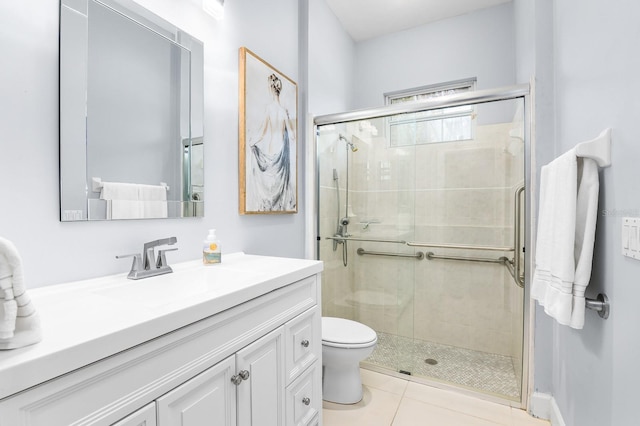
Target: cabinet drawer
[[303, 342], [146, 416], [304, 399]]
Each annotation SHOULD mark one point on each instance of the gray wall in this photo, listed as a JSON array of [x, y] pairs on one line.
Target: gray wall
[[478, 44], [596, 87], [592, 373], [332, 55], [55, 252]]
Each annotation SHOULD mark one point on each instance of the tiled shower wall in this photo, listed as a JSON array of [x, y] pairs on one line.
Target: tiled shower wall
[[457, 193]]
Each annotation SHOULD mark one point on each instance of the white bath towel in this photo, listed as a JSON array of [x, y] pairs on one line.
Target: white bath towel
[[125, 209], [19, 321], [154, 200], [566, 234], [134, 201], [123, 200], [119, 191]]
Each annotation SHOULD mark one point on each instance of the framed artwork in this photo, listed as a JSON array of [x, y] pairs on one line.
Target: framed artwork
[[267, 138]]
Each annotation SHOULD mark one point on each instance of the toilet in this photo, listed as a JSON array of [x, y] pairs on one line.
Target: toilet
[[344, 344]]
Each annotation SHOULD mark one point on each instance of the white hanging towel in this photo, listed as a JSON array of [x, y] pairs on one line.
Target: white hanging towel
[[19, 321], [566, 234], [154, 200], [124, 200], [134, 201]]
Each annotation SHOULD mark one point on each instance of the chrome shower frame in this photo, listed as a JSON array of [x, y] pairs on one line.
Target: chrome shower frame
[[522, 91]]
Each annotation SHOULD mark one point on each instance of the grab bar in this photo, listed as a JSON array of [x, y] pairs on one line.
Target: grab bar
[[370, 240], [420, 244], [431, 255], [418, 256], [458, 246], [517, 223]]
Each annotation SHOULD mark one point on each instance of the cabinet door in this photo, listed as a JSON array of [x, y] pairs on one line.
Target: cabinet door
[[146, 416], [261, 395], [207, 399]]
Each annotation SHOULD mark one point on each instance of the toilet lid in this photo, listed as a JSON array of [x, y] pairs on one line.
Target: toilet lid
[[344, 331]]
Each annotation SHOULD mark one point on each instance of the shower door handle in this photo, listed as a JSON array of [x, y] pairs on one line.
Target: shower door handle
[[517, 242]]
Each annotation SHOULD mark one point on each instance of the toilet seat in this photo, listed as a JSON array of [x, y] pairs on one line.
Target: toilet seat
[[344, 333]]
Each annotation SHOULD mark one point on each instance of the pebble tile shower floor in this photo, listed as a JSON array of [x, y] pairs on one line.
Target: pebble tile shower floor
[[479, 370]]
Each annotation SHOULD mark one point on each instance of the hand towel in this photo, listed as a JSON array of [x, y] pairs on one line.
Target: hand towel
[[21, 315], [154, 200], [125, 209], [122, 200], [566, 234], [119, 191], [134, 201]]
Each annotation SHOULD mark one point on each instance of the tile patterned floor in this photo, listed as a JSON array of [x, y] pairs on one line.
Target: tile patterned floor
[[390, 401], [478, 370]]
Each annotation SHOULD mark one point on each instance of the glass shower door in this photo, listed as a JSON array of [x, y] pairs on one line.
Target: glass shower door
[[431, 253], [366, 213]]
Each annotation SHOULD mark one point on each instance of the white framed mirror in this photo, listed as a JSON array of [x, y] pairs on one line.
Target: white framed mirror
[[131, 114]]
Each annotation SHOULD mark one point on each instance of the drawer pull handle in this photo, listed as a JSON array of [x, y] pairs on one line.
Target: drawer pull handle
[[305, 343], [306, 401], [244, 374]]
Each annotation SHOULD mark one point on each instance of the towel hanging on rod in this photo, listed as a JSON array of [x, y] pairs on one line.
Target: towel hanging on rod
[[566, 230]]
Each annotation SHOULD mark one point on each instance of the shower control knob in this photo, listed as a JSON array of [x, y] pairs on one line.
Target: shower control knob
[[306, 401], [305, 343]]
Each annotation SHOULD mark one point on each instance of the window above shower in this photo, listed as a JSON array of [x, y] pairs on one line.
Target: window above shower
[[434, 126]]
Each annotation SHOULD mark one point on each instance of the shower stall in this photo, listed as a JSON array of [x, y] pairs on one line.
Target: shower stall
[[421, 224]]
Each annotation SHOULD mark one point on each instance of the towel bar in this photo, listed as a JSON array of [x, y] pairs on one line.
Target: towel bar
[[96, 184], [600, 305]]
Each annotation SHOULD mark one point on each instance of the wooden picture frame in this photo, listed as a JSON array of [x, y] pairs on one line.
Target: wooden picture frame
[[268, 130]]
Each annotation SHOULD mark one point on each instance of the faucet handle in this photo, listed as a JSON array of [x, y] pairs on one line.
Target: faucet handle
[[162, 260], [148, 257], [137, 261]]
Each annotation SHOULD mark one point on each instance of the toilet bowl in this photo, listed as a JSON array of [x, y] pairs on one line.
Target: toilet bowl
[[344, 344]]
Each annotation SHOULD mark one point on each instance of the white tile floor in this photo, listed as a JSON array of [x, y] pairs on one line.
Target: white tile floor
[[389, 401]]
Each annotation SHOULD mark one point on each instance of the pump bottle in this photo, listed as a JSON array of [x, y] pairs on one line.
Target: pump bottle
[[211, 253]]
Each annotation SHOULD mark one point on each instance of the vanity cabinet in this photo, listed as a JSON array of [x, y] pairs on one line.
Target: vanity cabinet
[[209, 395], [146, 416], [256, 363]]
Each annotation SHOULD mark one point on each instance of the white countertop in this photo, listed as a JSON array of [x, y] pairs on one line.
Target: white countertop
[[86, 321]]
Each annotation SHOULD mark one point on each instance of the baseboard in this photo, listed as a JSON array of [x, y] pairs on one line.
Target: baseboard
[[544, 406], [556, 416]]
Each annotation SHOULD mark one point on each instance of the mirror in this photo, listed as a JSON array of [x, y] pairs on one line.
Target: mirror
[[131, 114]]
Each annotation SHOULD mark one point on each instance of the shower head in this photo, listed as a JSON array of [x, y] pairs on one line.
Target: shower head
[[350, 145]]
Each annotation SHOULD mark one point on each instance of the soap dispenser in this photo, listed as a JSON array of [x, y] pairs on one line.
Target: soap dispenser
[[211, 253]]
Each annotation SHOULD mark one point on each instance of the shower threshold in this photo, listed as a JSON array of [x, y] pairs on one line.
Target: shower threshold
[[482, 371]]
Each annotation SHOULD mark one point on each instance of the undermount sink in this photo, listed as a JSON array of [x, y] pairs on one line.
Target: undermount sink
[[182, 286]]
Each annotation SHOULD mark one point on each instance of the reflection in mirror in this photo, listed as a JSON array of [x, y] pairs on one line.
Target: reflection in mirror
[[131, 101]]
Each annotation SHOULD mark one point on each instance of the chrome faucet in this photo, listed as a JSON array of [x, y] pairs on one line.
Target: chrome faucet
[[146, 265]]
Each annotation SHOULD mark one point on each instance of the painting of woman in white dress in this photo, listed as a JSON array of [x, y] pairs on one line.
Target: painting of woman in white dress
[[268, 135]]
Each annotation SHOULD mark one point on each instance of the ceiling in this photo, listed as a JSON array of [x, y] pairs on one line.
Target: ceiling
[[365, 19]]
